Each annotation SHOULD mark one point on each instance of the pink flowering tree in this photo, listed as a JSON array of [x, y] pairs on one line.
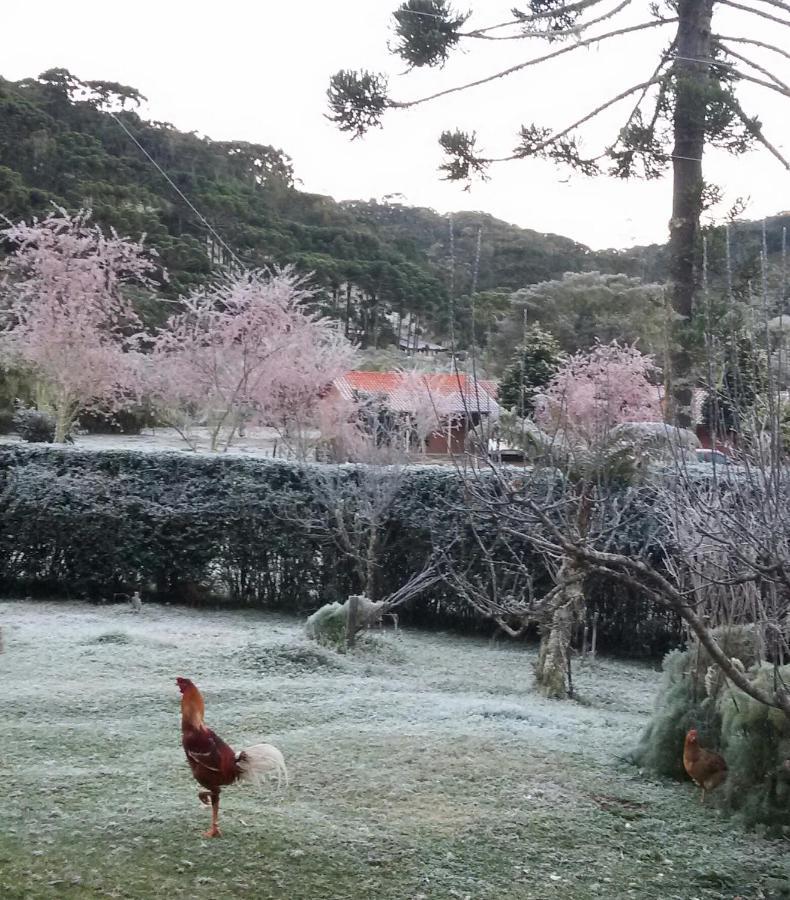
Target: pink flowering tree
[[580, 450], [245, 351], [66, 317], [597, 389]]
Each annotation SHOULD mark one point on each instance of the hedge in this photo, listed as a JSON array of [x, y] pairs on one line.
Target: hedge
[[224, 529]]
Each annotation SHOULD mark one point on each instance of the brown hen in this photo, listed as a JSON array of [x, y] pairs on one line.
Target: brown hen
[[705, 768]]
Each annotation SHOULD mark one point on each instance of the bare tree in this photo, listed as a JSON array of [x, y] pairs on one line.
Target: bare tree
[[349, 511]]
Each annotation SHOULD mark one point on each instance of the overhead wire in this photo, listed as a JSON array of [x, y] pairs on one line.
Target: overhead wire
[[213, 231]]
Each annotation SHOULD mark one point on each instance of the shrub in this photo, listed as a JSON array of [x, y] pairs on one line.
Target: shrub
[[127, 421], [6, 421], [753, 738], [199, 529], [34, 426]]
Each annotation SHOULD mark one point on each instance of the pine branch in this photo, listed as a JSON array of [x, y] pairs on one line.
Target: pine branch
[[754, 12], [777, 3], [653, 80], [756, 67], [536, 17], [574, 30], [407, 104], [754, 127], [591, 115], [754, 43], [766, 84]]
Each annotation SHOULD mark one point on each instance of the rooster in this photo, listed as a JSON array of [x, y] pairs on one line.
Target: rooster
[[705, 768], [214, 764]]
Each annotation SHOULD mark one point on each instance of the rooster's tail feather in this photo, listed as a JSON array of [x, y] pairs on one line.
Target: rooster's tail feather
[[260, 762]]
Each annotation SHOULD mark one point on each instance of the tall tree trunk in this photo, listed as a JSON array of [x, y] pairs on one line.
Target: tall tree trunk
[[348, 308], [692, 81]]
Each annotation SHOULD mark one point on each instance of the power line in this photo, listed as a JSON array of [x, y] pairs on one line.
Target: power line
[[177, 189]]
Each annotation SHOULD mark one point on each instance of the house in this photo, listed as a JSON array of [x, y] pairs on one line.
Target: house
[[452, 402], [415, 345]]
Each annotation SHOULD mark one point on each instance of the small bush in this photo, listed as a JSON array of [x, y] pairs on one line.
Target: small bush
[[127, 421], [34, 426]]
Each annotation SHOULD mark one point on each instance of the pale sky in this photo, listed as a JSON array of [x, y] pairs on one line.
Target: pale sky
[[257, 70]]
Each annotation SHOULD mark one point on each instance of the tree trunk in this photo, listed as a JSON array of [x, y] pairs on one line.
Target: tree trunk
[[553, 665], [63, 422], [692, 80]]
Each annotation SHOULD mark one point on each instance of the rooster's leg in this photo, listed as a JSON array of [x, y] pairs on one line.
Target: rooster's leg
[[204, 797], [214, 830]]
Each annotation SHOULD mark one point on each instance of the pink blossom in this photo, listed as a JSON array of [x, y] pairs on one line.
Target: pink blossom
[[598, 389], [246, 351], [66, 317]]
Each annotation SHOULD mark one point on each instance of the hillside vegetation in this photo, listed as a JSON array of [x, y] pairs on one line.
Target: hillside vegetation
[[72, 143], [376, 264]]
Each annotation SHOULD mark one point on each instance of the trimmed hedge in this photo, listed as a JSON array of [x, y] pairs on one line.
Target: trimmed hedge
[[224, 529]]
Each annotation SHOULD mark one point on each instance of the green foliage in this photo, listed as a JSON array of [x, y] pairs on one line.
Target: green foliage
[[743, 380], [753, 738], [534, 364], [374, 264], [582, 308], [327, 625], [756, 740], [357, 100], [427, 31]]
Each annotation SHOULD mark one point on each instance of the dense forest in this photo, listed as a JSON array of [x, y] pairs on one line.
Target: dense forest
[[379, 267]]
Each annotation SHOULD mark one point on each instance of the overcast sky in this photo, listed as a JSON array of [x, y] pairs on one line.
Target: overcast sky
[[257, 70]]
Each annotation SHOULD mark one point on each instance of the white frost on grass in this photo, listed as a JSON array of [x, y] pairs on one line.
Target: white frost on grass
[[257, 442], [420, 764]]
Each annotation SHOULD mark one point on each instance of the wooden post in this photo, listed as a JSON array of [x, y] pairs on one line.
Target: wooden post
[[594, 640], [584, 640]]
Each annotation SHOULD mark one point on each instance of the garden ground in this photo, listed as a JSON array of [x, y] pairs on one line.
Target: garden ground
[[422, 766]]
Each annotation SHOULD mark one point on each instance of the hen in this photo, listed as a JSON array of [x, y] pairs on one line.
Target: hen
[[214, 764], [705, 768]]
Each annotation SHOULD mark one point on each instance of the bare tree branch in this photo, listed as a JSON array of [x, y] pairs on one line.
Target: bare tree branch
[[742, 40], [407, 104], [756, 67], [785, 92], [776, 3], [573, 31], [755, 12], [757, 131], [591, 115], [536, 17]]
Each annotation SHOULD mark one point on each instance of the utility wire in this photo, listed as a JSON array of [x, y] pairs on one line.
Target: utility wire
[[177, 189]]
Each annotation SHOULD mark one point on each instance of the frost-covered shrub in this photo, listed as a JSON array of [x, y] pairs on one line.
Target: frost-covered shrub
[[34, 426], [188, 528], [753, 738], [327, 625]]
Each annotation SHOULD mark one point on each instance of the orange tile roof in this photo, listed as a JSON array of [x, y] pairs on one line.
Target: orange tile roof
[[452, 393]]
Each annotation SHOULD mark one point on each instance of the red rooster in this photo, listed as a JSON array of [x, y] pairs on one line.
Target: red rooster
[[214, 764]]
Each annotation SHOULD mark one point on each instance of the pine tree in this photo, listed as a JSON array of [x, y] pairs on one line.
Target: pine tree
[[686, 101], [534, 364]]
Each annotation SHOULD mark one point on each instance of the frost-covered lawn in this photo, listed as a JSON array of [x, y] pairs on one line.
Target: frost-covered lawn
[[422, 767], [258, 442]]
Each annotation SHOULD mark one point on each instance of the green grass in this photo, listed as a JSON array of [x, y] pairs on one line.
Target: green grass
[[422, 766]]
